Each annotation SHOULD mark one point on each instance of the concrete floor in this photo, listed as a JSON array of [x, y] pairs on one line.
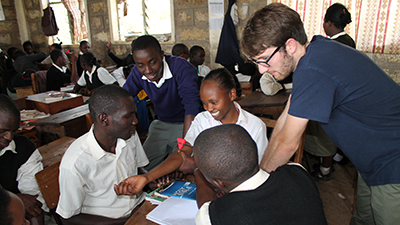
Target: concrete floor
[[338, 193]]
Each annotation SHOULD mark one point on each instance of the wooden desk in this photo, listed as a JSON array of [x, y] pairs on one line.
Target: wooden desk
[[139, 217], [71, 123], [53, 151], [55, 106], [259, 103]]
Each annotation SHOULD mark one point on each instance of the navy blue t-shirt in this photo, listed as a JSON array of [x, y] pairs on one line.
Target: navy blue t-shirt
[[357, 104]]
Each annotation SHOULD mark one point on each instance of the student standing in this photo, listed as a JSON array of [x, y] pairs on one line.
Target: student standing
[[170, 83]]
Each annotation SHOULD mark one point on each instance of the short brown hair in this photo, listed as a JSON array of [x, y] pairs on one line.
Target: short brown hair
[[270, 26]]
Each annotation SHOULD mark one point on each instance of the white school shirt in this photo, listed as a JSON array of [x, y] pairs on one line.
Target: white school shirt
[[26, 173], [253, 125], [103, 74], [88, 174], [118, 74]]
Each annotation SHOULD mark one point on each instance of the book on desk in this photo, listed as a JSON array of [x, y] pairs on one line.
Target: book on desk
[[178, 189]]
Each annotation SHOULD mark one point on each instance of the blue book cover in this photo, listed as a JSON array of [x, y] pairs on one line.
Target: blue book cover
[[181, 189]]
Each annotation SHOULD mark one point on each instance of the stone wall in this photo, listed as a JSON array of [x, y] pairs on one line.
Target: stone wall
[[9, 33]]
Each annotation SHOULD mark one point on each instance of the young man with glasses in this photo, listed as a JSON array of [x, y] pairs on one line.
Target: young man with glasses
[[356, 103]]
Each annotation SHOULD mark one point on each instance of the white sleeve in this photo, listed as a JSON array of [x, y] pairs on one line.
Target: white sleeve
[[82, 81], [26, 177], [72, 193], [261, 141], [269, 85], [202, 216], [142, 159], [194, 130], [118, 74], [105, 76]]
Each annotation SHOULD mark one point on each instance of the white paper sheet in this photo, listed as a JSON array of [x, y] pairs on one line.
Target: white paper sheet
[[174, 211]]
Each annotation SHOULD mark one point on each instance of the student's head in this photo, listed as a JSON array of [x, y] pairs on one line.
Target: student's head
[[148, 57], [88, 61], [28, 47], [12, 210], [55, 46], [217, 93], [59, 58], [11, 52], [180, 50], [269, 34], [226, 155], [197, 55], [113, 108], [84, 46], [338, 16], [9, 120]]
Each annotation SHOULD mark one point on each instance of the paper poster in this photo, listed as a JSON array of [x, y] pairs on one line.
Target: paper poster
[[216, 14], [1, 12]]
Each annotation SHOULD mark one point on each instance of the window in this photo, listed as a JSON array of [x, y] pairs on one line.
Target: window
[[71, 21], [132, 18]]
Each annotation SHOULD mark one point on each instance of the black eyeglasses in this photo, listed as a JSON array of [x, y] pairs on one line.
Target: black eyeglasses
[[265, 63]]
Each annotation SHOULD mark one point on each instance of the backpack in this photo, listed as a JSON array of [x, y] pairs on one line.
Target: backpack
[[49, 25]]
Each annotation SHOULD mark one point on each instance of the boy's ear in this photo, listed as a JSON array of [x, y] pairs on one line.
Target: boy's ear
[[103, 119], [219, 184]]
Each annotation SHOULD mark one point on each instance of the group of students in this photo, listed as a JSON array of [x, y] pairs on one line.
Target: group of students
[[356, 103]]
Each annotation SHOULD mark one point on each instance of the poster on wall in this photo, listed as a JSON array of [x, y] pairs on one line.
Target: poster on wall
[[216, 14], [1, 12]]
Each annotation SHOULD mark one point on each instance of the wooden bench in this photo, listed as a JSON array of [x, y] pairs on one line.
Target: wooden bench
[[53, 151]]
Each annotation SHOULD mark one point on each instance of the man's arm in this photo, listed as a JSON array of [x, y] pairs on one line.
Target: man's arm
[[186, 123], [133, 185], [285, 140], [92, 219]]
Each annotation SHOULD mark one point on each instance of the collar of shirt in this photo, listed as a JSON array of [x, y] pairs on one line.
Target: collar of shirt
[[253, 182], [10, 147], [242, 119], [166, 75], [80, 53], [338, 35], [63, 69], [90, 74], [97, 152]]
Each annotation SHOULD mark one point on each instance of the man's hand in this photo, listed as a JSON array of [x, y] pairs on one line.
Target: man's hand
[[33, 207], [131, 185], [188, 165], [168, 178]]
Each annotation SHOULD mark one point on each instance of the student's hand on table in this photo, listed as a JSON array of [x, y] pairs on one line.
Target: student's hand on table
[[131, 185], [33, 207], [168, 178], [188, 165]]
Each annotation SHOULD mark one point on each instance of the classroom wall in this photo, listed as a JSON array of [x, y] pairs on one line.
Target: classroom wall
[[190, 23]]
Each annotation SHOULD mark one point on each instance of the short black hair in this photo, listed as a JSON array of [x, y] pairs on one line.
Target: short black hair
[[222, 77], [82, 42], [55, 54], [5, 215], [89, 59], [105, 99], [11, 51], [146, 41], [338, 15], [226, 152], [57, 46], [9, 107], [178, 49], [27, 43], [195, 49]]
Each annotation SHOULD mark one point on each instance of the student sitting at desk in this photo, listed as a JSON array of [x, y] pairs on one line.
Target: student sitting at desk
[[58, 74], [84, 47], [107, 154], [226, 159], [217, 93], [128, 60], [180, 50], [93, 75], [170, 83], [20, 160]]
